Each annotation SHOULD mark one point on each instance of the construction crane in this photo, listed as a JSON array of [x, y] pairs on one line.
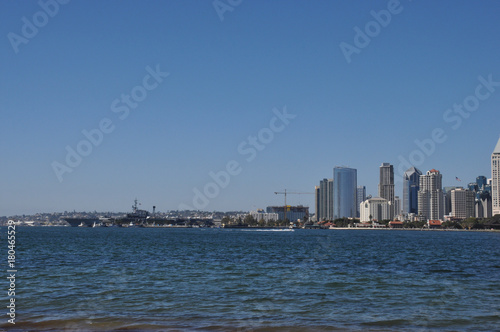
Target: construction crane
[[289, 193]]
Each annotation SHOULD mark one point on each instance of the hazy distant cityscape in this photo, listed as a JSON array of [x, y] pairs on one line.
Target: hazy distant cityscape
[[341, 202]]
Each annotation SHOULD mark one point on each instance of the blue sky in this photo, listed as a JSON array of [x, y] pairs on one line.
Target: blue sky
[[225, 79]]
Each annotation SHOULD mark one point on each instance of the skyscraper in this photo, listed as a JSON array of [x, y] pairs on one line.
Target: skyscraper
[[483, 204], [329, 209], [447, 198], [316, 202], [360, 197], [481, 182], [431, 196], [397, 206], [386, 184], [462, 203], [411, 185], [495, 179], [325, 207], [344, 192]]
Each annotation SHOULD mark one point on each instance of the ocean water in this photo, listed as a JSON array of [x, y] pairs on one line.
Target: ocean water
[[249, 280]]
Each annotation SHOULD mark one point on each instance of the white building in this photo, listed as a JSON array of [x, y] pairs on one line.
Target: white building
[[375, 209], [258, 215], [431, 196], [495, 179], [397, 206], [462, 203]]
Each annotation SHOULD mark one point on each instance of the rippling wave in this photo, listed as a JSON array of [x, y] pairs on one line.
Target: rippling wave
[[217, 279]]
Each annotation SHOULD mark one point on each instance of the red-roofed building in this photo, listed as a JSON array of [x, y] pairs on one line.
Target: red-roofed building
[[396, 224], [434, 223]]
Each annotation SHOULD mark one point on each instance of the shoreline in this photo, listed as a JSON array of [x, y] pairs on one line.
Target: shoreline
[[413, 229], [282, 228]]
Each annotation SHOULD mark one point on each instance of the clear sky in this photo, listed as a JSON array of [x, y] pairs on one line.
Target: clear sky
[[70, 68]]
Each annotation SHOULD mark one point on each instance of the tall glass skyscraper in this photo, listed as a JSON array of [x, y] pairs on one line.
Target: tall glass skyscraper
[[345, 182], [411, 181]]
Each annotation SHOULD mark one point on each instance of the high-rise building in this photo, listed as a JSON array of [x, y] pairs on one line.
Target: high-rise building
[[397, 206], [430, 196], [325, 200], [483, 207], [344, 192], [329, 210], [473, 187], [386, 184], [360, 197], [481, 182], [375, 209], [411, 185], [462, 203], [495, 179], [447, 199], [316, 202], [482, 191]]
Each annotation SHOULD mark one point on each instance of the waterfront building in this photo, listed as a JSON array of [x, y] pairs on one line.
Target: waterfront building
[[375, 209], [462, 203], [447, 199], [483, 206], [261, 215], [495, 179], [344, 192], [411, 185], [397, 206], [360, 198], [431, 196], [293, 213], [325, 200], [386, 184], [316, 203]]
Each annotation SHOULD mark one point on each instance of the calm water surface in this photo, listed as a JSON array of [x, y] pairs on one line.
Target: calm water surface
[[219, 279]]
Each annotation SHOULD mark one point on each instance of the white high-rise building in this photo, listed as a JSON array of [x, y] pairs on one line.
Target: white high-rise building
[[431, 196], [462, 203], [495, 179], [397, 206]]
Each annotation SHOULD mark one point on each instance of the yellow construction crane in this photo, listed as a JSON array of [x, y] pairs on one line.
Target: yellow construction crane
[[289, 193]]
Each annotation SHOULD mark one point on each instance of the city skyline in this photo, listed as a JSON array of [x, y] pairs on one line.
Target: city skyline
[[183, 106]]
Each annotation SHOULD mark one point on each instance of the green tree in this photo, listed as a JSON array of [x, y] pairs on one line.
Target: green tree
[[250, 220], [469, 223]]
